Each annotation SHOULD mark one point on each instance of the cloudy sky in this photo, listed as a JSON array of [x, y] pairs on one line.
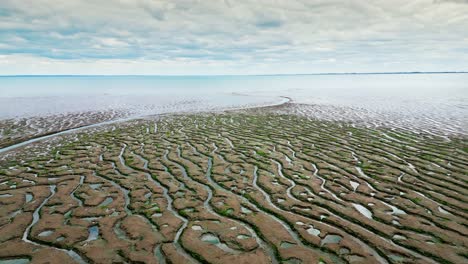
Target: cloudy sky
[[231, 36]]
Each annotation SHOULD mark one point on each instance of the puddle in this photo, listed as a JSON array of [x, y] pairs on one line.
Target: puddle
[[60, 238], [29, 197], [363, 210], [286, 245], [210, 238], [312, 231], [197, 228], [93, 233], [245, 210], [397, 258], [15, 261], [5, 195], [15, 213], [156, 215], [395, 209], [28, 181], [331, 239], [46, 233], [442, 210], [359, 170], [344, 251], [399, 237], [242, 236], [95, 186], [354, 184], [90, 219], [106, 202], [214, 240]]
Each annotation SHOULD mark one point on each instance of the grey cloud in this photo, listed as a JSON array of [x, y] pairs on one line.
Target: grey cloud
[[454, 1], [243, 31], [271, 23]]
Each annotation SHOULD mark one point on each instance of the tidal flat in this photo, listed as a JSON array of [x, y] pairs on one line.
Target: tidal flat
[[260, 185]]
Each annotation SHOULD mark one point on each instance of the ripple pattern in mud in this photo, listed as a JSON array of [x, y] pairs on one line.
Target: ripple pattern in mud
[[239, 187]]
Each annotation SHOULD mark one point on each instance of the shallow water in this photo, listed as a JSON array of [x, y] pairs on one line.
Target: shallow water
[[285, 244], [46, 233], [95, 186], [28, 197], [438, 99], [331, 239], [363, 210], [354, 184], [106, 202], [197, 228], [442, 210], [93, 233], [313, 231], [213, 239], [32, 96], [15, 261]]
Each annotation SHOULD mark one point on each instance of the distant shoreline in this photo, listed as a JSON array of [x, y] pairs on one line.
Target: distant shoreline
[[240, 75]]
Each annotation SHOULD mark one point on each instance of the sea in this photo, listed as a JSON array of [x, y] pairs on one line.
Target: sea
[[438, 98]]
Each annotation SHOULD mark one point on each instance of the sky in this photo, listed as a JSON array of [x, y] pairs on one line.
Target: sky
[[205, 37]]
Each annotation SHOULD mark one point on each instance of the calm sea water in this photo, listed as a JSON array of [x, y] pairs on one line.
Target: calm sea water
[[443, 97]]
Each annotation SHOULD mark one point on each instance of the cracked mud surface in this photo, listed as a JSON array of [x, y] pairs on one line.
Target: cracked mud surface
[[239, 187]]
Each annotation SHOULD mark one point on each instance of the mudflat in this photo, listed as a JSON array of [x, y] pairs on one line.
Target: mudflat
[[251, 186]]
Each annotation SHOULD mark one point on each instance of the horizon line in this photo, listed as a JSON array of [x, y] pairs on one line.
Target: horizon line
[[234, 75]]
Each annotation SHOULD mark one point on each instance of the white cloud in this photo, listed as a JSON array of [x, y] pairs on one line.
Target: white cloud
[[243, 36]]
